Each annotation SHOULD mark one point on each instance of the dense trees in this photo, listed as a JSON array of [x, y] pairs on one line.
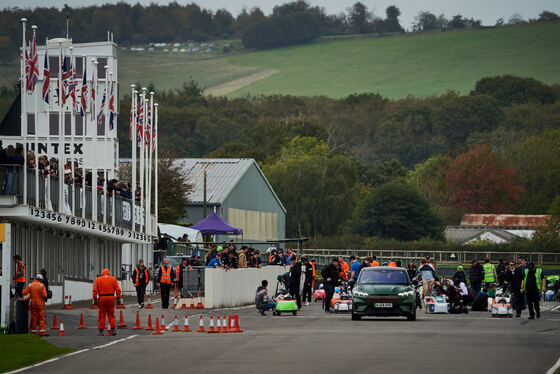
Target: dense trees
[[396, 210], [509, 89], [281, 30], [317, 187], [364, 141], [479, 184]]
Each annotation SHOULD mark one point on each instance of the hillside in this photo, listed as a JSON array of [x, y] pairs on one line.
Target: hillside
[[395, 66], [411, 64]]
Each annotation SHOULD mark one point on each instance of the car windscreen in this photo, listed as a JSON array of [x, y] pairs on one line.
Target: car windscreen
[[383, 277]]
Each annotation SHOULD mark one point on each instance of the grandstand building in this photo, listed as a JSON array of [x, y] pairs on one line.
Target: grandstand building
[[72, 231]]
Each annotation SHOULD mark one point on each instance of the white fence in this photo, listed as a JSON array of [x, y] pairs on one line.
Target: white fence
[[225, 289]]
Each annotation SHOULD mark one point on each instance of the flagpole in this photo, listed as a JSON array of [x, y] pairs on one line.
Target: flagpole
[[48, 135], [156, 164], [84, 73], [94, 215], [24, 63], [133, 140], [105, 124], [36, 121], [72, 126], [142, 160], [61, 132], [150, 148]]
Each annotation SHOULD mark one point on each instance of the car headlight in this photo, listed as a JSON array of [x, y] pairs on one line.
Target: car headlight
[[406, 293], [360, 293]]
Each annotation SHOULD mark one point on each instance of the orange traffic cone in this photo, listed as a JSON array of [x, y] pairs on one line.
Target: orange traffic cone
[[175, 292], [176, 325], [236, 327], [183, 304], [68, 302], [93, 306], [54, 323], [229, 324], [199, 305], [218, 324], [61, 333], [120, 305], [224, 325], [138, 326], [201, 325], [211, 330], [121, 324], [149, 327], [149, 306], [109, 332], [162, 325], [186, 327], [192, 303], [82, 324], [175, 300], [158, 330]]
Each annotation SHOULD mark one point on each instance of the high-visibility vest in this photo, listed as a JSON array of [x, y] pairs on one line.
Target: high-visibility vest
[[489, 273], [374, 263], [177, 272], [538, 273], [20, 273], [137, 276], [165, 275], [392, 264], [344, 272]]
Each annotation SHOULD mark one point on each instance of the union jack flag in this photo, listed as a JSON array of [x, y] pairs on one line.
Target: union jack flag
[[148, 126], [112, 107], [72, 84], [63, 86], [140, 125], [46, 76], [83, 95], [101, 115], [92, 98], [32, 66]]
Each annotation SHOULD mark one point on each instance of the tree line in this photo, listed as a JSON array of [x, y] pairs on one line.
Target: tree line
[[370, 166], [291, 23]]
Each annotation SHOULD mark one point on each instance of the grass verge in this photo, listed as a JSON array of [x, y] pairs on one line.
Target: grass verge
[[20, 350]]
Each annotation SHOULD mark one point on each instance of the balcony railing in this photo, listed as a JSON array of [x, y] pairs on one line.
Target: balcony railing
[[77, 200]]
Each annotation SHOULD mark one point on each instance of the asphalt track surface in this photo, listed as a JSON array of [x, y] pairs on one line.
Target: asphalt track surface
[[313, 342]]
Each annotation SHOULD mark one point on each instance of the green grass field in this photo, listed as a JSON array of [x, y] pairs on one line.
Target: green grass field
[[394, 66], [17, 351], [415, 64], [169, 70]]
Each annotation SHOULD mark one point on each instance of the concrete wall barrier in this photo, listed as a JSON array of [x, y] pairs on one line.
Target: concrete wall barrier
[[226, 289], [79, 290]]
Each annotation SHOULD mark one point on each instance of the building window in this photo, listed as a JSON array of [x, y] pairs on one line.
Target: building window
[[30, 124]]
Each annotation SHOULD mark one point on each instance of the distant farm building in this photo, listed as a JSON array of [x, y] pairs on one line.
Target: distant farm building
[[496, 228], [238, 191]]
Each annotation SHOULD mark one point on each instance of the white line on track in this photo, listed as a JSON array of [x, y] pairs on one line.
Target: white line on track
[[553, 369], [68, 355]]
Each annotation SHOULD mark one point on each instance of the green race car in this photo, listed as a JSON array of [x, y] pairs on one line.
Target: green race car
[[383, 291]]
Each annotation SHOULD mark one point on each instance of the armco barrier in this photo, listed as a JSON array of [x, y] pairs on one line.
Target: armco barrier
[[226, 289]]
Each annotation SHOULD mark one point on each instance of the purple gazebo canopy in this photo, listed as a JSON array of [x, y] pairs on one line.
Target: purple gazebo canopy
[[214, 225]]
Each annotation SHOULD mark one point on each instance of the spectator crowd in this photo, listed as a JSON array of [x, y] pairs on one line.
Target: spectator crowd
[[12, 159]]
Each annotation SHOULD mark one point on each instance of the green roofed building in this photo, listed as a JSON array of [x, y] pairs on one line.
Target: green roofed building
[[239, 193]]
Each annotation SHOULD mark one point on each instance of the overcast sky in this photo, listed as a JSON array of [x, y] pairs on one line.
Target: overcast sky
[[486, 10]]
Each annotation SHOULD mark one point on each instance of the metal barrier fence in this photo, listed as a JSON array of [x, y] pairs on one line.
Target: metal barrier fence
[[193, 282], [324, 256], [118, 209]]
